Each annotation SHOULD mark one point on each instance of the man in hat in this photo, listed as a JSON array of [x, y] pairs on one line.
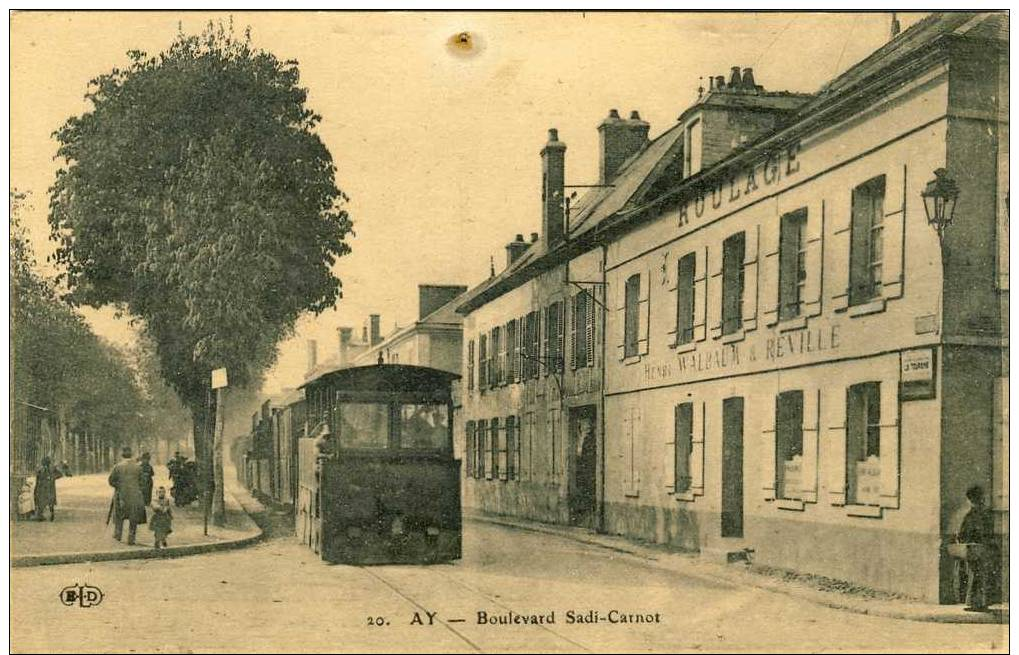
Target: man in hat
[[128, 499]]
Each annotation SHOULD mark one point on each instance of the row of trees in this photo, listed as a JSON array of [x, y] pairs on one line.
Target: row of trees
[[67, 382], [196, 196]]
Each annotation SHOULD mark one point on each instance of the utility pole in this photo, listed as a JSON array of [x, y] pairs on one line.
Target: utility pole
[[219, 383]]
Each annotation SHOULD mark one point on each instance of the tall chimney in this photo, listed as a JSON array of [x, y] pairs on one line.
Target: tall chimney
[[748, 79], [515, 248], [553, 189], [346, 334], [312, 361], [735, 81], [896, 27], [619, 141], [376, 328]]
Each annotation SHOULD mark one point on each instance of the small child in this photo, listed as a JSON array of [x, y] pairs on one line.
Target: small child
[[162, 518]]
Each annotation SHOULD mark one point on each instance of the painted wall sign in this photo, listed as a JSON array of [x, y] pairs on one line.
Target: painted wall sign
[[917, 374]]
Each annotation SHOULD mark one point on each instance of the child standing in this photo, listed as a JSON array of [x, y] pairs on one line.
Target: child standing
[[162, 518]]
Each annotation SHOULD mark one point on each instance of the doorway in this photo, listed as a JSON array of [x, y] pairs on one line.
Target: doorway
[[584, 455], [732, 467]]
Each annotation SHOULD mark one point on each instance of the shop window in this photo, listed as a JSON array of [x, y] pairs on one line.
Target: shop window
[[792, 258], [631, 316], [866, 251], [685, 298], [733, 281], [863, 443], [789, 443]]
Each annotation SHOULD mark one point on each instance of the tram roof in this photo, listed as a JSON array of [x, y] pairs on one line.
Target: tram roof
[[384, 377]]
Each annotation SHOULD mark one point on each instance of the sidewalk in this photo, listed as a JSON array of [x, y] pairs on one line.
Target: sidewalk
[[860, 602], [80, 532]]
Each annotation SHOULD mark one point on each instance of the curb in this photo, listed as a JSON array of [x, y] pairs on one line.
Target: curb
[[824, 599], [169, 552]]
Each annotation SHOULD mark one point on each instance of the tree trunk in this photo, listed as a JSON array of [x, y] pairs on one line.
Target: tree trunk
[[218, 507]]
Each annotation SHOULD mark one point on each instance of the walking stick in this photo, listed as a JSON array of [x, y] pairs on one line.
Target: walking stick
[[109, 514]]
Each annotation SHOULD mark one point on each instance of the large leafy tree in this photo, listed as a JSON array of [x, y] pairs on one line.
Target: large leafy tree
[[196, 196]]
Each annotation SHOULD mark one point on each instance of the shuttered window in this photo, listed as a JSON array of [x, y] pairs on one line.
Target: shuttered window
[[470, 365], [733, 254], [789, 443], [863, 442], [484, 451], [685, 298], [792, 259], [512, 352], [684, 445], [580, 333], [866, 251], [631, 316], [512, 449], [483, 361], [497, 452], [470, 448]]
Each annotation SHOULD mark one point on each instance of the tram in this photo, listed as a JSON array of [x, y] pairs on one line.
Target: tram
[[378, 482]]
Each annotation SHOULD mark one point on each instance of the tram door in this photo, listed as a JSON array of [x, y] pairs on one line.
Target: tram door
[[732, 467], [584, 453]]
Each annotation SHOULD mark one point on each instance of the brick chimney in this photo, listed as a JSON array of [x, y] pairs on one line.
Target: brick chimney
[[515, 248], [346, 334], [376, 328], [619, 141], [553, 181], [433, 296]]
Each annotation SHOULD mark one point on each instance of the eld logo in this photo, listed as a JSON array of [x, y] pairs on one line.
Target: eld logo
[[82, 595]]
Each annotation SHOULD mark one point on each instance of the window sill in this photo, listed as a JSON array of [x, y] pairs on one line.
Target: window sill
[[632, 359], [686, 497], [866, 511], [790, 324], [689, 346], [733, 337], [791, 504], [872, 307]]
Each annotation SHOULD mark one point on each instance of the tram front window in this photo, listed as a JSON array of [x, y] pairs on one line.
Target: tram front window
[[424, 427], [363, 425]]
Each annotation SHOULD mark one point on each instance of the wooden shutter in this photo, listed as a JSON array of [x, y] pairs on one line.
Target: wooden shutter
[[751, 256], [574, 342], [644, 312], [543, 354], [838, 251], [814, 235], [560, 340], [768, 451], [592, 308], [808, 481], [679, 463], [834, 457], [768, 285], [536, 341], [470, 365], [697, 439], [469, 447], [483, 361], [893, 263], [889, 445], [700, 295], [713, 294]]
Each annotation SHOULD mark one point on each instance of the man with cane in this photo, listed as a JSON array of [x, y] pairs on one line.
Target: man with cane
[[128, 501]]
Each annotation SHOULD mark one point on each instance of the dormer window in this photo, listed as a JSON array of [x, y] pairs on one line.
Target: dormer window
[[692, 148]]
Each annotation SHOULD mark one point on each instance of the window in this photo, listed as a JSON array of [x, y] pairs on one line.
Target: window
[[362, 425], [789, 443], [512, 449], [498, 357], [684, 445], [685, 298], [482, 470], [424, 427], [470, 448], [470, 365], [483, 361], [582, 330], [512, 352], [866, 241], [792, 264], [692, 149], [733, 253], [863, 442], [497, 452], [531, 337], [554, 337], [631, 316]]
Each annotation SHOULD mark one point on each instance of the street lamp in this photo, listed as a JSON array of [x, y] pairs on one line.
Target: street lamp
[[939, 198]]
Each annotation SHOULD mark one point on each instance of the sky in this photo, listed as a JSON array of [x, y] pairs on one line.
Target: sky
[[438, 151]]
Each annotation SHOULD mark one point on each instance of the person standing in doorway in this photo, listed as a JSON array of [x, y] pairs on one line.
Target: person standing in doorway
[[128, 501]]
